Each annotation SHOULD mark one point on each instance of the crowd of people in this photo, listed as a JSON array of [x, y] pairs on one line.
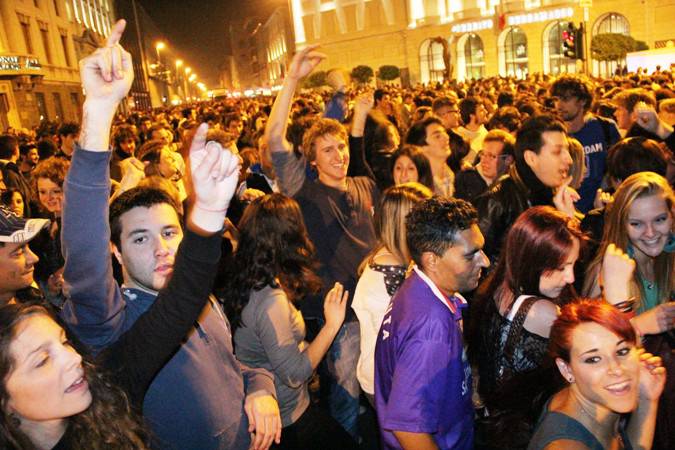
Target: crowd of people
[[476, 264]]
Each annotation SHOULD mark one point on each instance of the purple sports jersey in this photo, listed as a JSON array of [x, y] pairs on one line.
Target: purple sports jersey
[[422, 377]]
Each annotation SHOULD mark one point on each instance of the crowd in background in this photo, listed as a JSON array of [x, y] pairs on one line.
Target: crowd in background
[[328, 235]]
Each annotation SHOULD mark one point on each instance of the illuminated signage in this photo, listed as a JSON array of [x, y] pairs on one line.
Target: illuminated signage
[[19, 63], [539, 16]]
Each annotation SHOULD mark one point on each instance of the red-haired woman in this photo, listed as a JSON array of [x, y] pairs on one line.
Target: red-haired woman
[[595, 349]]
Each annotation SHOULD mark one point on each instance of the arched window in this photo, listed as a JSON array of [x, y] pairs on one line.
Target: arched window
[[431, 61], [474, 56], [609, 23], [554, 61], [513, 53]]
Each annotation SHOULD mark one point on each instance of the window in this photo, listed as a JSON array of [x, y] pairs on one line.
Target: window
[[554, 61], [64, 46], [41, 105], [513, 58], [609, 23], [432, 66], [44, 34], [25, 29], [474, 56], [58, 106]]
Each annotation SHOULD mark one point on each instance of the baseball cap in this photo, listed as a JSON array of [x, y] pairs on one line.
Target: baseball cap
[[17, 230]]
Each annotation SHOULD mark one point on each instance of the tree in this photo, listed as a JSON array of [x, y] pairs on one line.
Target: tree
[[614, 46], [388, 73], [362, 74], [316, 79]]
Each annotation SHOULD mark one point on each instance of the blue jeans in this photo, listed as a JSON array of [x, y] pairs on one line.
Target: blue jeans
[[341, 361]]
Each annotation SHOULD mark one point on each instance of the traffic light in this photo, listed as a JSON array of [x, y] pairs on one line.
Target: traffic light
[[569, 41]]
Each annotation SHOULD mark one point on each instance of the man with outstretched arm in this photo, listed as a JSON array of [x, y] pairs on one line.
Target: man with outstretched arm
[[202, 398]]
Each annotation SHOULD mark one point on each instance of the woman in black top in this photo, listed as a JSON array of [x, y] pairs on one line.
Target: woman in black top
[[511, 319]]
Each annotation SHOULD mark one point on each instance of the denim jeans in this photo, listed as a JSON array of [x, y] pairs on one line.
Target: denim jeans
[[341, 361]]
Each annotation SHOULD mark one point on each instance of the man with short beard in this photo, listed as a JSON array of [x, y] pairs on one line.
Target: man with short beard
[[573, 98]]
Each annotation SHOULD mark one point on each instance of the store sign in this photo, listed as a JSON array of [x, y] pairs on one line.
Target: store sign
[[19, 63]]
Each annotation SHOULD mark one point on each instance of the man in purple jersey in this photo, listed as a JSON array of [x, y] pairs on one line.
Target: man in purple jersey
[[422, 377]]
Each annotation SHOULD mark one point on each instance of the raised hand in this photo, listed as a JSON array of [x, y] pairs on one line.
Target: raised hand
[[107, 73], [304, 62], [617, 271], [214, 173], [652, 376], [364, 103], [335, 305], [565, 197]]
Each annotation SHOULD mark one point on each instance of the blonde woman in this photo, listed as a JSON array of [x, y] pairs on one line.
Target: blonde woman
[[382, 272], [639, 221]]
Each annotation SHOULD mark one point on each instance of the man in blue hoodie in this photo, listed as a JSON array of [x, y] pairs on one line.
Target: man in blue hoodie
[[202, 398]]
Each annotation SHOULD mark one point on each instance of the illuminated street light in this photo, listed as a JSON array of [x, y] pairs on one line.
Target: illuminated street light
[[179, 63], [188, 70], [159, 46], [192, 77]]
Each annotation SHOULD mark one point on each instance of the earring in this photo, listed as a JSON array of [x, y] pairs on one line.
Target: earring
[[14, 420], [570, 379]]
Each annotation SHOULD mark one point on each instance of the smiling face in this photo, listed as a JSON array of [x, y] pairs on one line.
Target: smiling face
[[149, 240], [50, 195], [47, 382], [551, 283], [551, 165], [604, 366], [648, 225], [405, 170], [17, 263], [332, 159]]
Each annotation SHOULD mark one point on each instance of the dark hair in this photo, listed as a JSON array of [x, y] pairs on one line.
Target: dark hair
[[144, 197], [538, 242], [506, 117], [108, 423], [505, 99], [585, 311], [420, 160], [417, 133], [273, 245], [631, 97], [433, 225], [25, 148], [442, 102], [467, 107], [69, 128], [123, 133], [7, 196], [529, 136], [379, 94], [575, 86], [46, 148], [633, 155], [8, 144]]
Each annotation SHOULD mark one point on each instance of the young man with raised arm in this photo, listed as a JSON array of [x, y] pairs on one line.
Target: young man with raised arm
[[202, 398], [338, 212]]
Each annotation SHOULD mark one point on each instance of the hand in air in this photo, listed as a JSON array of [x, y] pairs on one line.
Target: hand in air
[[215, 174], [304, 62], [107, 73]]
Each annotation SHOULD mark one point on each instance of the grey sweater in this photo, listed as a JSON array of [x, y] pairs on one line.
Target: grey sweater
[[272, 337]]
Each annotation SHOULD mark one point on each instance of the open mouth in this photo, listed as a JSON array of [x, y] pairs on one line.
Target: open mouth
[[621, 388], [80, 383]]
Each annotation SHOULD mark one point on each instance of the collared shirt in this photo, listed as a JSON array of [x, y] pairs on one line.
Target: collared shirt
[[422, 376]]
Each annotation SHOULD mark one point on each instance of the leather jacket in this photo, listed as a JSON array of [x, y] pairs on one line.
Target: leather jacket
[[499, 207]]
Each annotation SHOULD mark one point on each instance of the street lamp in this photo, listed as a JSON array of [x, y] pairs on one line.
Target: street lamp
[[192, 77], [159, 46], [179, 63], [188, 70]]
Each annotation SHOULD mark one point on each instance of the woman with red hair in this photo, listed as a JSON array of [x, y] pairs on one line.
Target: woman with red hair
[[595, 349]]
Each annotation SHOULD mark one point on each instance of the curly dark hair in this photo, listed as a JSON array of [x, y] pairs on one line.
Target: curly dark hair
[[108, 423], [273, 250]]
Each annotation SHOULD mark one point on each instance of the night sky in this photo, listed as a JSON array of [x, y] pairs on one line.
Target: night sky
[[197, 29]]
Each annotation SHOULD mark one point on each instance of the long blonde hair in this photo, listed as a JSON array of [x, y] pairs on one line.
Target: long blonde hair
[[639, 185], [396, 203]]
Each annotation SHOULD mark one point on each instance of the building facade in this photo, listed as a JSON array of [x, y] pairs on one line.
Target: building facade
[[41, 42], [431, 40]]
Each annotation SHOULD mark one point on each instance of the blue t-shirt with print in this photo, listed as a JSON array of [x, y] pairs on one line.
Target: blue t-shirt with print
[[596, 141]]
